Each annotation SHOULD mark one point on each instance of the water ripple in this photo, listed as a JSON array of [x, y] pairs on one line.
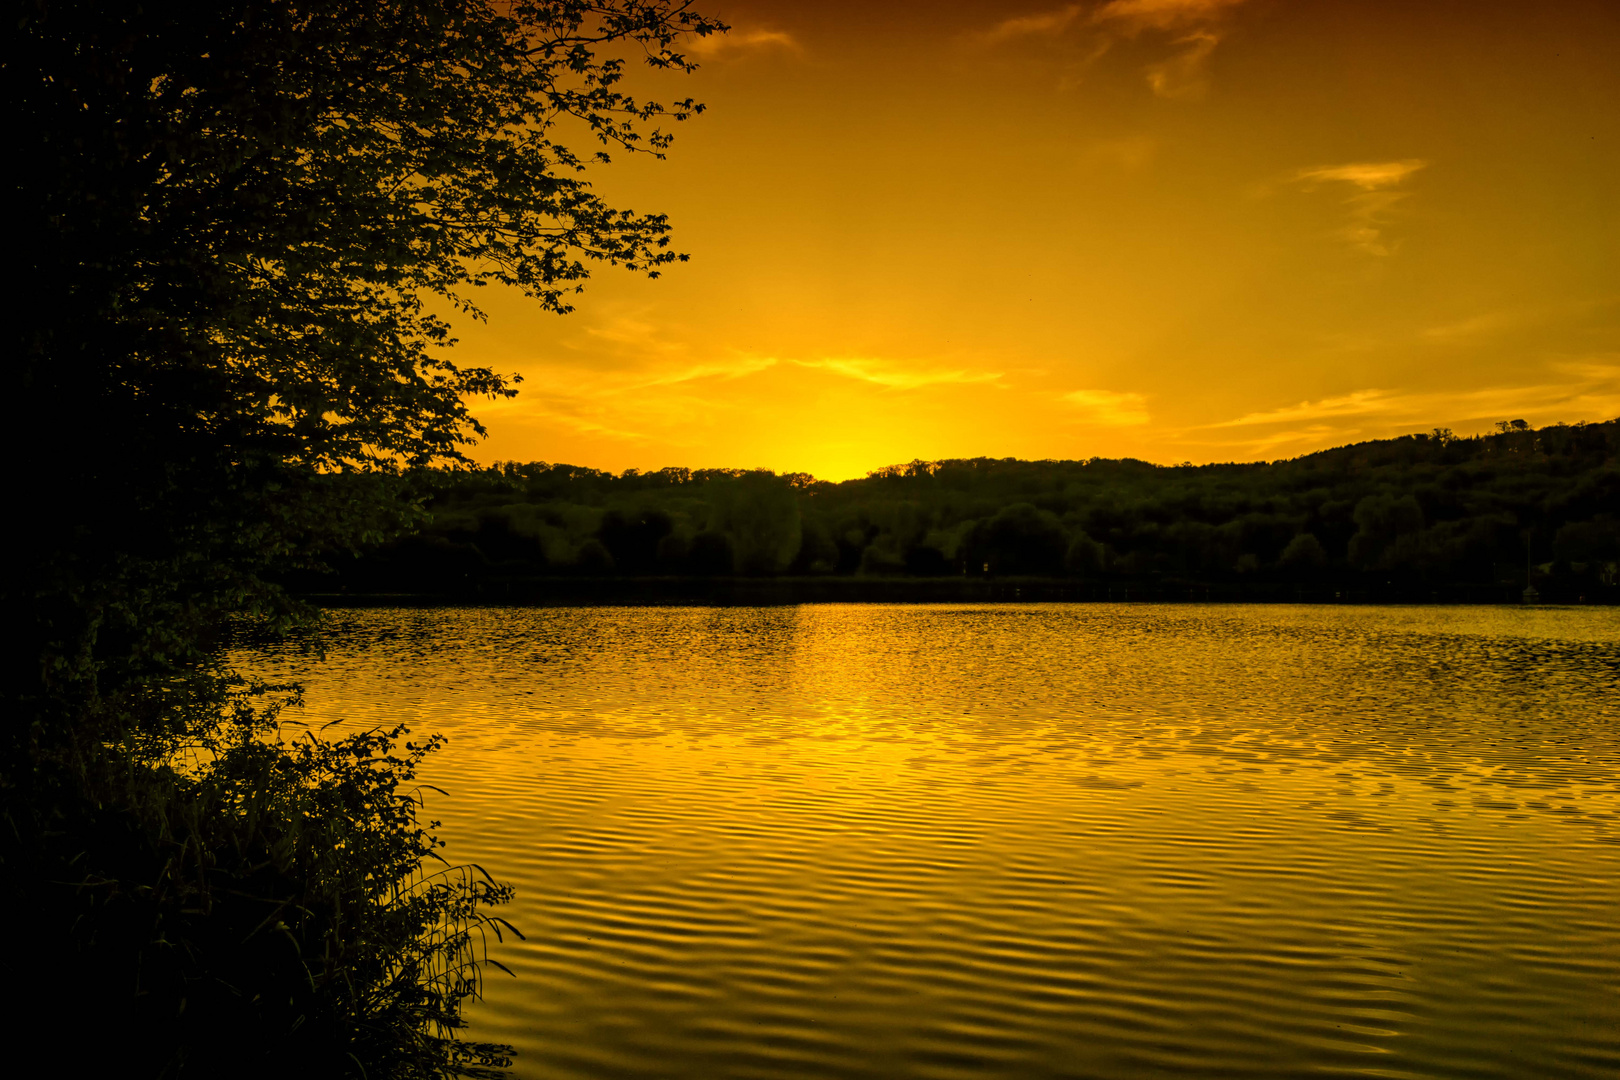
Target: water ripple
[[1024, 842]]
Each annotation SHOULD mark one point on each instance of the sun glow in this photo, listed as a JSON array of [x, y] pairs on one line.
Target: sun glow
[[1175, 230]]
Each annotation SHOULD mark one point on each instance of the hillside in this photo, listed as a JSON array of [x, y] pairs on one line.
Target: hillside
[[1418, 517]]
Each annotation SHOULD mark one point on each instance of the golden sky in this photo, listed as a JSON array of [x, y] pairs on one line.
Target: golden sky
[[1204, 230]]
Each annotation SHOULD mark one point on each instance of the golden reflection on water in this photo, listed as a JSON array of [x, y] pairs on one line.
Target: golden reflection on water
[[1004, 841]]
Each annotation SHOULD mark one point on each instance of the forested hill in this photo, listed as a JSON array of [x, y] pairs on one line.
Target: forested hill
[[1418, 517]]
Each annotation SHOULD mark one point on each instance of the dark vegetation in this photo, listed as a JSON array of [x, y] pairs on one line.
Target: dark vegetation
[[226, 220], [1415, 518]]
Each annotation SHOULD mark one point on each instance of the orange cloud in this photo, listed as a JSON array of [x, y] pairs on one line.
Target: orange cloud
[[1367, 175], [896, 377], [736, 41], [1110, 408], [1163, 14], [1359, 403], [1372, 202], [1595, 393], [1046, 23], [1184, 75]]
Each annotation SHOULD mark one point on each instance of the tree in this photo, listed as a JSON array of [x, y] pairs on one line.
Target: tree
[[1382, 520], [760, 513], [235, 226], [232, 222], [1019, 539], [1304, 553]]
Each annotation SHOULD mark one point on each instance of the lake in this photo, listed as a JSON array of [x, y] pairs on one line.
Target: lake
[[1023, 841]]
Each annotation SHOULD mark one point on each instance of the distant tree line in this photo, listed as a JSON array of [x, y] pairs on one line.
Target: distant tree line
[[1502, 509]]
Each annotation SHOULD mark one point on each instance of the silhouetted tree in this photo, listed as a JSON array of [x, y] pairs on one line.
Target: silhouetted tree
[[711, 553], [1085, 557], [817, 552], [633, 540], [231, 223], [925, 560], [1382, 520], [594, 558], [761, 513], [674, 552], [1304, 552], [1019, 539]]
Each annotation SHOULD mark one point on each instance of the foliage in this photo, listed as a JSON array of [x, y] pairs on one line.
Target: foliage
[[252, 201], [1417, 513], [239, 230], [761, 516], [269, 900], [233, 227]]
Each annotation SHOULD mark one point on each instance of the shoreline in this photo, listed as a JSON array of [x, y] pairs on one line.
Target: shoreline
[[786, 591]]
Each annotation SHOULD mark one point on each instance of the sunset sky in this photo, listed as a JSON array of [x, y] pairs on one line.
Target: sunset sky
[[1203, 230]]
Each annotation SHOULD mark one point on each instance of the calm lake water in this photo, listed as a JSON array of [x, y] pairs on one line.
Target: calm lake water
[[1024, 841]]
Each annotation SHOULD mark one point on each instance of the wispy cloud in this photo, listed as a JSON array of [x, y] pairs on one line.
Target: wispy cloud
[[1508, 320], [1043, 24], [678, 402], [1603, 371], [898, 376], [1359, 403], [720, 369], [1367, 175], [1476, 326], [1185, 75], [670, 405], [1373, 198], [1317, 434], [1109, 407], [740, 41], [581, 414], [1591, 391], [635, 335], [1132, 16], [1130, 153], [1164, 14]]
